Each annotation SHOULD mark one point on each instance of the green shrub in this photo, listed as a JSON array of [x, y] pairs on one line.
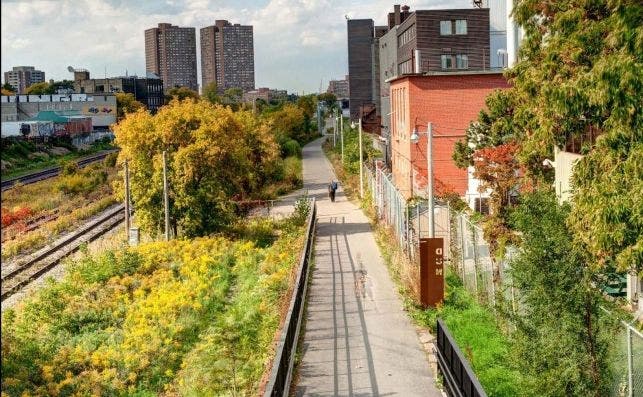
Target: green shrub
[[82, 182], [291, 148], [68, 167], [110, 160], [293, 170]]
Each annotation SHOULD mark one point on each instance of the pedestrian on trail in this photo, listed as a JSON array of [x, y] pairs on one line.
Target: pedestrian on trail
[[332, 187]]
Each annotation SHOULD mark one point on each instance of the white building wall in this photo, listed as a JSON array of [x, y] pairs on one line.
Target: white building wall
[[473, 184], [564, 165]]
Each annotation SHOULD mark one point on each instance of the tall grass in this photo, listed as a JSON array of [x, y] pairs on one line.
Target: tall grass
[[194, 317]]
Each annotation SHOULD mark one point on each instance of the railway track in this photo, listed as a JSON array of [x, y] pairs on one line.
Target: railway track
[[28, 269], [50, 172]]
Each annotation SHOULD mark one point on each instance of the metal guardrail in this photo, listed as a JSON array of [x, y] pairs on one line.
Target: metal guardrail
[[459, 378], [282, 366]]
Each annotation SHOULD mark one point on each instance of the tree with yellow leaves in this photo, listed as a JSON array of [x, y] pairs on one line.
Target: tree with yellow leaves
[[214, 155]]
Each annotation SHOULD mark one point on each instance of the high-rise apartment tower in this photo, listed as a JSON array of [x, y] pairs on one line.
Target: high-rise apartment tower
[[170, 52], [227, 56]]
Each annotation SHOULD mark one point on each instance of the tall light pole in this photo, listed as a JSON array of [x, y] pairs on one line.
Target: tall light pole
[[166, 199], [415, 138], [334, 130], [127, 218], [341, 126], [361, 162]]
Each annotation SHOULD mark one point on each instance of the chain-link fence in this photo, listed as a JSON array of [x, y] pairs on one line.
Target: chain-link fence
[[473, 262], [627, 361], [469, 255], [409, 221]]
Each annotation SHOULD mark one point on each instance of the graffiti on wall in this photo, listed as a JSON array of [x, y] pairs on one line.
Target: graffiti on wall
[[98, 110]]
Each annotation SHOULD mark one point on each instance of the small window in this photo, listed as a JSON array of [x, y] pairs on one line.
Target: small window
[[447, 62], [461, 26], [462, 61], [445, 28], [482, 205]]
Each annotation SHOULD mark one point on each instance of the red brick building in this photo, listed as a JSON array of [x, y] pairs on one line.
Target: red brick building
[[450, 101]]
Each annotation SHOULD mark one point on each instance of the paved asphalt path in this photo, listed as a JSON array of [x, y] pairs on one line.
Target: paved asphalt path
[[358, 340]]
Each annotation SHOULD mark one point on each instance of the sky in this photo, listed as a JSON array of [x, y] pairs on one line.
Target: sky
[[299, 44]]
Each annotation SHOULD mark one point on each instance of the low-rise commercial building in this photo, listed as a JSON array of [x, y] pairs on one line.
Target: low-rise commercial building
[[265, 94], [100, 108], [450, 101], [22, 77], [147, 90]]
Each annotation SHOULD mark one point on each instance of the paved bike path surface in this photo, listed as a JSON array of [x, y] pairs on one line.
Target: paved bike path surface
[[358, 340]]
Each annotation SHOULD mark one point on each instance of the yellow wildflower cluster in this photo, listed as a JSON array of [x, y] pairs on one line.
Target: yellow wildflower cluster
[[182, 317]]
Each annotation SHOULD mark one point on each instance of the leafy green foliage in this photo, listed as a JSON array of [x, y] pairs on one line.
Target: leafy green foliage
[[181, 94], [495, 126], [84, 181], [480, 339], [329, 99], [562, 338], [127, 103], [211, 93], [291, 148], [351, 150], [582, 68], [45, 88]]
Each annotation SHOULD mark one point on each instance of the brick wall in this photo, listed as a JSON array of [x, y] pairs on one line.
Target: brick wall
[[450, 102]]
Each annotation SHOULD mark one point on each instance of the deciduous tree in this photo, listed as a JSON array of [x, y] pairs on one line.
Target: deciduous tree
[[181, 93], [214, 155], [127, 103], [211, 94]]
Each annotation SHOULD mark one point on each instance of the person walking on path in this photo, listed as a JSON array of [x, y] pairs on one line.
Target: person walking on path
[[358, 340], [332, 188]]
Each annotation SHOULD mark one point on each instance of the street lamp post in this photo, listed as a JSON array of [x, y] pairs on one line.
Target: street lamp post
[[334, 131], [415, 138], [361, 162], [166, 200], [341, 126]]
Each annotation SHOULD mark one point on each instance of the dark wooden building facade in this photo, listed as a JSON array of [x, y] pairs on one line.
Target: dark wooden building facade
[[447, 40], [360, 64]]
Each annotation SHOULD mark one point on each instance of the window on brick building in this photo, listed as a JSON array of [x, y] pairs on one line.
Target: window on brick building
[[445, 28], [446, 61], [461, 26], [462, 61]]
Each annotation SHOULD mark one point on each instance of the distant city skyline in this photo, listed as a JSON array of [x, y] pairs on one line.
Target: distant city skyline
[[298, 44]]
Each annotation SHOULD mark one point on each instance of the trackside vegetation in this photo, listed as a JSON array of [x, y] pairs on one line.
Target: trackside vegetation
[[185, 317]]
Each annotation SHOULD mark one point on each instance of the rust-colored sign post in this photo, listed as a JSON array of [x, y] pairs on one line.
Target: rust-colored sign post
[[431, 271]]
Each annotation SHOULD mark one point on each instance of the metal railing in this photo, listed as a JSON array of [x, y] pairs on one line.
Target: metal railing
[[459, 378], [282, 366]]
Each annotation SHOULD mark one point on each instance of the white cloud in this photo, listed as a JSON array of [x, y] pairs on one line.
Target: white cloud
[[297, 42]]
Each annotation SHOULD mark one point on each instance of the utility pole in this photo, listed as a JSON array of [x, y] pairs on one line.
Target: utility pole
[[341, 126], [127, 220], [334, 128], [429, 159], [361, 162], [165, 198]]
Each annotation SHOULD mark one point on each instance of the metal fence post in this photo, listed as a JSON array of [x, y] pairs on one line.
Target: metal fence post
[[630, 363], [475, 255]]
